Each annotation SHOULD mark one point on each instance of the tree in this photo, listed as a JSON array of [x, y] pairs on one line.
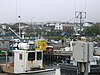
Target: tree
[[91, 31]]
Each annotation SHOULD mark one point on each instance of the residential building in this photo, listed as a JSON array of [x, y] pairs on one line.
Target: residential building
[[58, 26]]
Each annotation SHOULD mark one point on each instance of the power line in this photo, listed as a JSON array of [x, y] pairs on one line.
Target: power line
[[82, 5], [16, 12]]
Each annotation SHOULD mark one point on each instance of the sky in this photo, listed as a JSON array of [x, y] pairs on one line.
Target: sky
[[47, 10]]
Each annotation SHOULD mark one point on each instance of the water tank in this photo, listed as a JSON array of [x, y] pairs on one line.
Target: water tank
[[24, 46]]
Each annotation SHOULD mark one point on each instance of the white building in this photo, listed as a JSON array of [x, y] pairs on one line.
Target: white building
[[58, 26], [65, 26], [87, 24]]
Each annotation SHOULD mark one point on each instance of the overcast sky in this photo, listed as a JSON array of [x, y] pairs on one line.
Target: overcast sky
[[47, 10]]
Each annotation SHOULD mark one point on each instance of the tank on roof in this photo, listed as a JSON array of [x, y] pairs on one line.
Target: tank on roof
[[23, 46]]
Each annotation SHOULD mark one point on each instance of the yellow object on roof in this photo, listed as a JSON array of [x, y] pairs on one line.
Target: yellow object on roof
[[41, 44]]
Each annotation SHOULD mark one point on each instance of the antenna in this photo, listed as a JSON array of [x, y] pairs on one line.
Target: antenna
[[81, 15]]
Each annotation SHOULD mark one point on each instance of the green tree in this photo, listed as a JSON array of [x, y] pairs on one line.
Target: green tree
[[93, 30]]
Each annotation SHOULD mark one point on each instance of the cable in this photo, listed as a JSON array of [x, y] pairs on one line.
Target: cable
[[71, 19], [16, 11], [85, 5], [75, 5]]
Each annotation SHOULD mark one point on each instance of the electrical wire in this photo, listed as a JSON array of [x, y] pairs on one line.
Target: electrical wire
[[16, 10]]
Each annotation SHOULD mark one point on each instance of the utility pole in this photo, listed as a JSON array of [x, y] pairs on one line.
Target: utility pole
[[19, 27], [81, 15], [32, 27]]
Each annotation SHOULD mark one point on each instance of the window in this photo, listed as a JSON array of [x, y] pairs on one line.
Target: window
[[56, 27], [31, 56], [39, 55], [20, 56]]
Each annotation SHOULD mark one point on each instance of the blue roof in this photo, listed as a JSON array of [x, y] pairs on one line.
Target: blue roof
[[64, 33]]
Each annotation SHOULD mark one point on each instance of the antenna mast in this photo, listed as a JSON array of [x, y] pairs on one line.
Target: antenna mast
[[81, 15]]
